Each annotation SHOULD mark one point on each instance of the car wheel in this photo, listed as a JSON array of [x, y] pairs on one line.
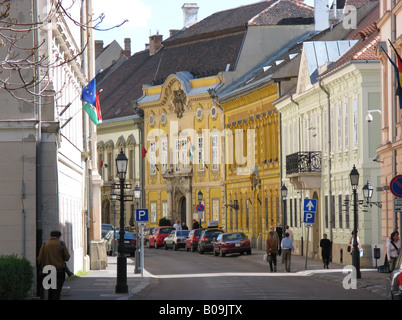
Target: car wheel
[[249, 252]]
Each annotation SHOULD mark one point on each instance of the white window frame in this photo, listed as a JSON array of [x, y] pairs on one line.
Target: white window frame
[[215, 151]]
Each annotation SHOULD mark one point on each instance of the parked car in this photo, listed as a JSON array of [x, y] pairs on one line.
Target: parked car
[[394, 281], [207, 239], [158, 235], [129, 242], [106, 228], [192, 239], [235, 242], [176, 239]]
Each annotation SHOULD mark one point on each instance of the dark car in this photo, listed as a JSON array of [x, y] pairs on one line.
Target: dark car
[[394, 281], [207, 238], [129, 242], [158, 235], [235, 242], [176, 239]]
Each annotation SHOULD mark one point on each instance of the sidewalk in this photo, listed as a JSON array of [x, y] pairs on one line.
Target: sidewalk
[[100, 284]]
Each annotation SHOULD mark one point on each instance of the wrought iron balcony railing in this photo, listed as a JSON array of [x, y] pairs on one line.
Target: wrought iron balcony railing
[[303, 162]]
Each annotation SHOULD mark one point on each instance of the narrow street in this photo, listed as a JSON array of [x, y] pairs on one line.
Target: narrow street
[[180, 275]]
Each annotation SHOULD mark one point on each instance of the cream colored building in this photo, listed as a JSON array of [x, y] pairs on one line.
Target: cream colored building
[[115, 135], [324, 133]]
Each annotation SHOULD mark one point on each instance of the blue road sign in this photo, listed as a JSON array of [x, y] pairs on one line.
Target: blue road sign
[[310, 209], [141, 215]]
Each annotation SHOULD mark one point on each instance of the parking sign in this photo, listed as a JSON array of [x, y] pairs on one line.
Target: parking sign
[[141, 215], [310, 209]]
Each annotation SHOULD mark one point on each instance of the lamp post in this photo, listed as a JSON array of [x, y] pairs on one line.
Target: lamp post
[[368, 191], [137, 197], [121, 285], [284, 194], [354, 181], [113, 198]]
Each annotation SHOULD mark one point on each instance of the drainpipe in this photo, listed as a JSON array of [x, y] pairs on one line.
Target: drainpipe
[[329, 159]]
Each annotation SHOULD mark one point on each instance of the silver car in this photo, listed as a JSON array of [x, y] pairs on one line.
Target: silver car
[[394, 281], [176, 239]]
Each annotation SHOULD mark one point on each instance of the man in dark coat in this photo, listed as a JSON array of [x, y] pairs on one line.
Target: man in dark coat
[[326, 246]]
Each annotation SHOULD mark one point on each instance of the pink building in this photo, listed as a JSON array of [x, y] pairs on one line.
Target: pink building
[[390, 150]]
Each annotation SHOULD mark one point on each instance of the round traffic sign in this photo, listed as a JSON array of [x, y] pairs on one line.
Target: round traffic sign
[[200, 207], [396, 186]]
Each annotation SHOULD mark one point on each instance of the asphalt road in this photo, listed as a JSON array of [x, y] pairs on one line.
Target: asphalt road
[[180, 275]]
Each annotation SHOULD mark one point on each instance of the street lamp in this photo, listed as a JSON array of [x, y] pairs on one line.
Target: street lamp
[[113, 199], [137, 197], [121, 285], [284, 194], [354, 181], [368, 194]]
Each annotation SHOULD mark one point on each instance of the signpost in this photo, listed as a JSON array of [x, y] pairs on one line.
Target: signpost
[[200, 209], [310, 209], [142, 217]]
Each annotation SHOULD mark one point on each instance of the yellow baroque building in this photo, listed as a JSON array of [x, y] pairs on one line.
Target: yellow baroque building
[[252, 167], [183, 138]]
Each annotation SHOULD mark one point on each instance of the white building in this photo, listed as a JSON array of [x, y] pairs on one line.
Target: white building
[[47, 144]]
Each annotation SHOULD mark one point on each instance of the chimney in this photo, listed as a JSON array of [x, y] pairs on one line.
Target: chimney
[[155, 43], [127, 47], [98, 47], [321, 15], [190, 12]]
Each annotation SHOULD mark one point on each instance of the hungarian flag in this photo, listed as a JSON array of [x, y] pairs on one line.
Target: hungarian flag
[[103, 164], [92, 106], [398, 70], [398, 77]]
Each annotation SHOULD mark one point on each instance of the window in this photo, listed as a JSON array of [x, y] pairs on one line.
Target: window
[[183, 152], [215, 152], [339, 124], [325, 120], [347, 205], [215, 210], [164, 155], [346, 125], [153, 211], [340, 211], [331, 123], [200, 153], [355, 123], [177, 154], [152, 158]]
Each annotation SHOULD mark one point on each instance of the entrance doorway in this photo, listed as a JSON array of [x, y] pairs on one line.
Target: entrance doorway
[[182, 210]]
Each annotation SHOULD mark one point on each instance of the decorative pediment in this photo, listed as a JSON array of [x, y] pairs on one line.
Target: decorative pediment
[[174, 96]]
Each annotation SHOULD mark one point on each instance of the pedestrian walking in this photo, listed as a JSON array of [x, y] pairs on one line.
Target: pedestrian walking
[[326, 246], [184, 226], [272, 250], [287, 249], [55, 253], [393, 249], [287, 230], [279, 231]]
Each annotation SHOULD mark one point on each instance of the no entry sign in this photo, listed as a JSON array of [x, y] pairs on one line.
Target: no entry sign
[[396, 186]]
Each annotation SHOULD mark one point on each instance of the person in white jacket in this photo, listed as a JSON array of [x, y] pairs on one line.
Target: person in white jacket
[[393, 249]]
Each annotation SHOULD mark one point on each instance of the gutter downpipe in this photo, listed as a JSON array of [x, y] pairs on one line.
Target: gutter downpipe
[[85, 133], [329, 159], [301, 192]]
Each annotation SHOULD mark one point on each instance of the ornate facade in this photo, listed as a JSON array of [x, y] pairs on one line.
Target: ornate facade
[[183, 138]]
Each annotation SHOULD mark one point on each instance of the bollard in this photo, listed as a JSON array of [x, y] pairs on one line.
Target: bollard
[[341, 255]]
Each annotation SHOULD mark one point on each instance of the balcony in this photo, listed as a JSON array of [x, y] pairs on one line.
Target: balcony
[[304, 169]]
